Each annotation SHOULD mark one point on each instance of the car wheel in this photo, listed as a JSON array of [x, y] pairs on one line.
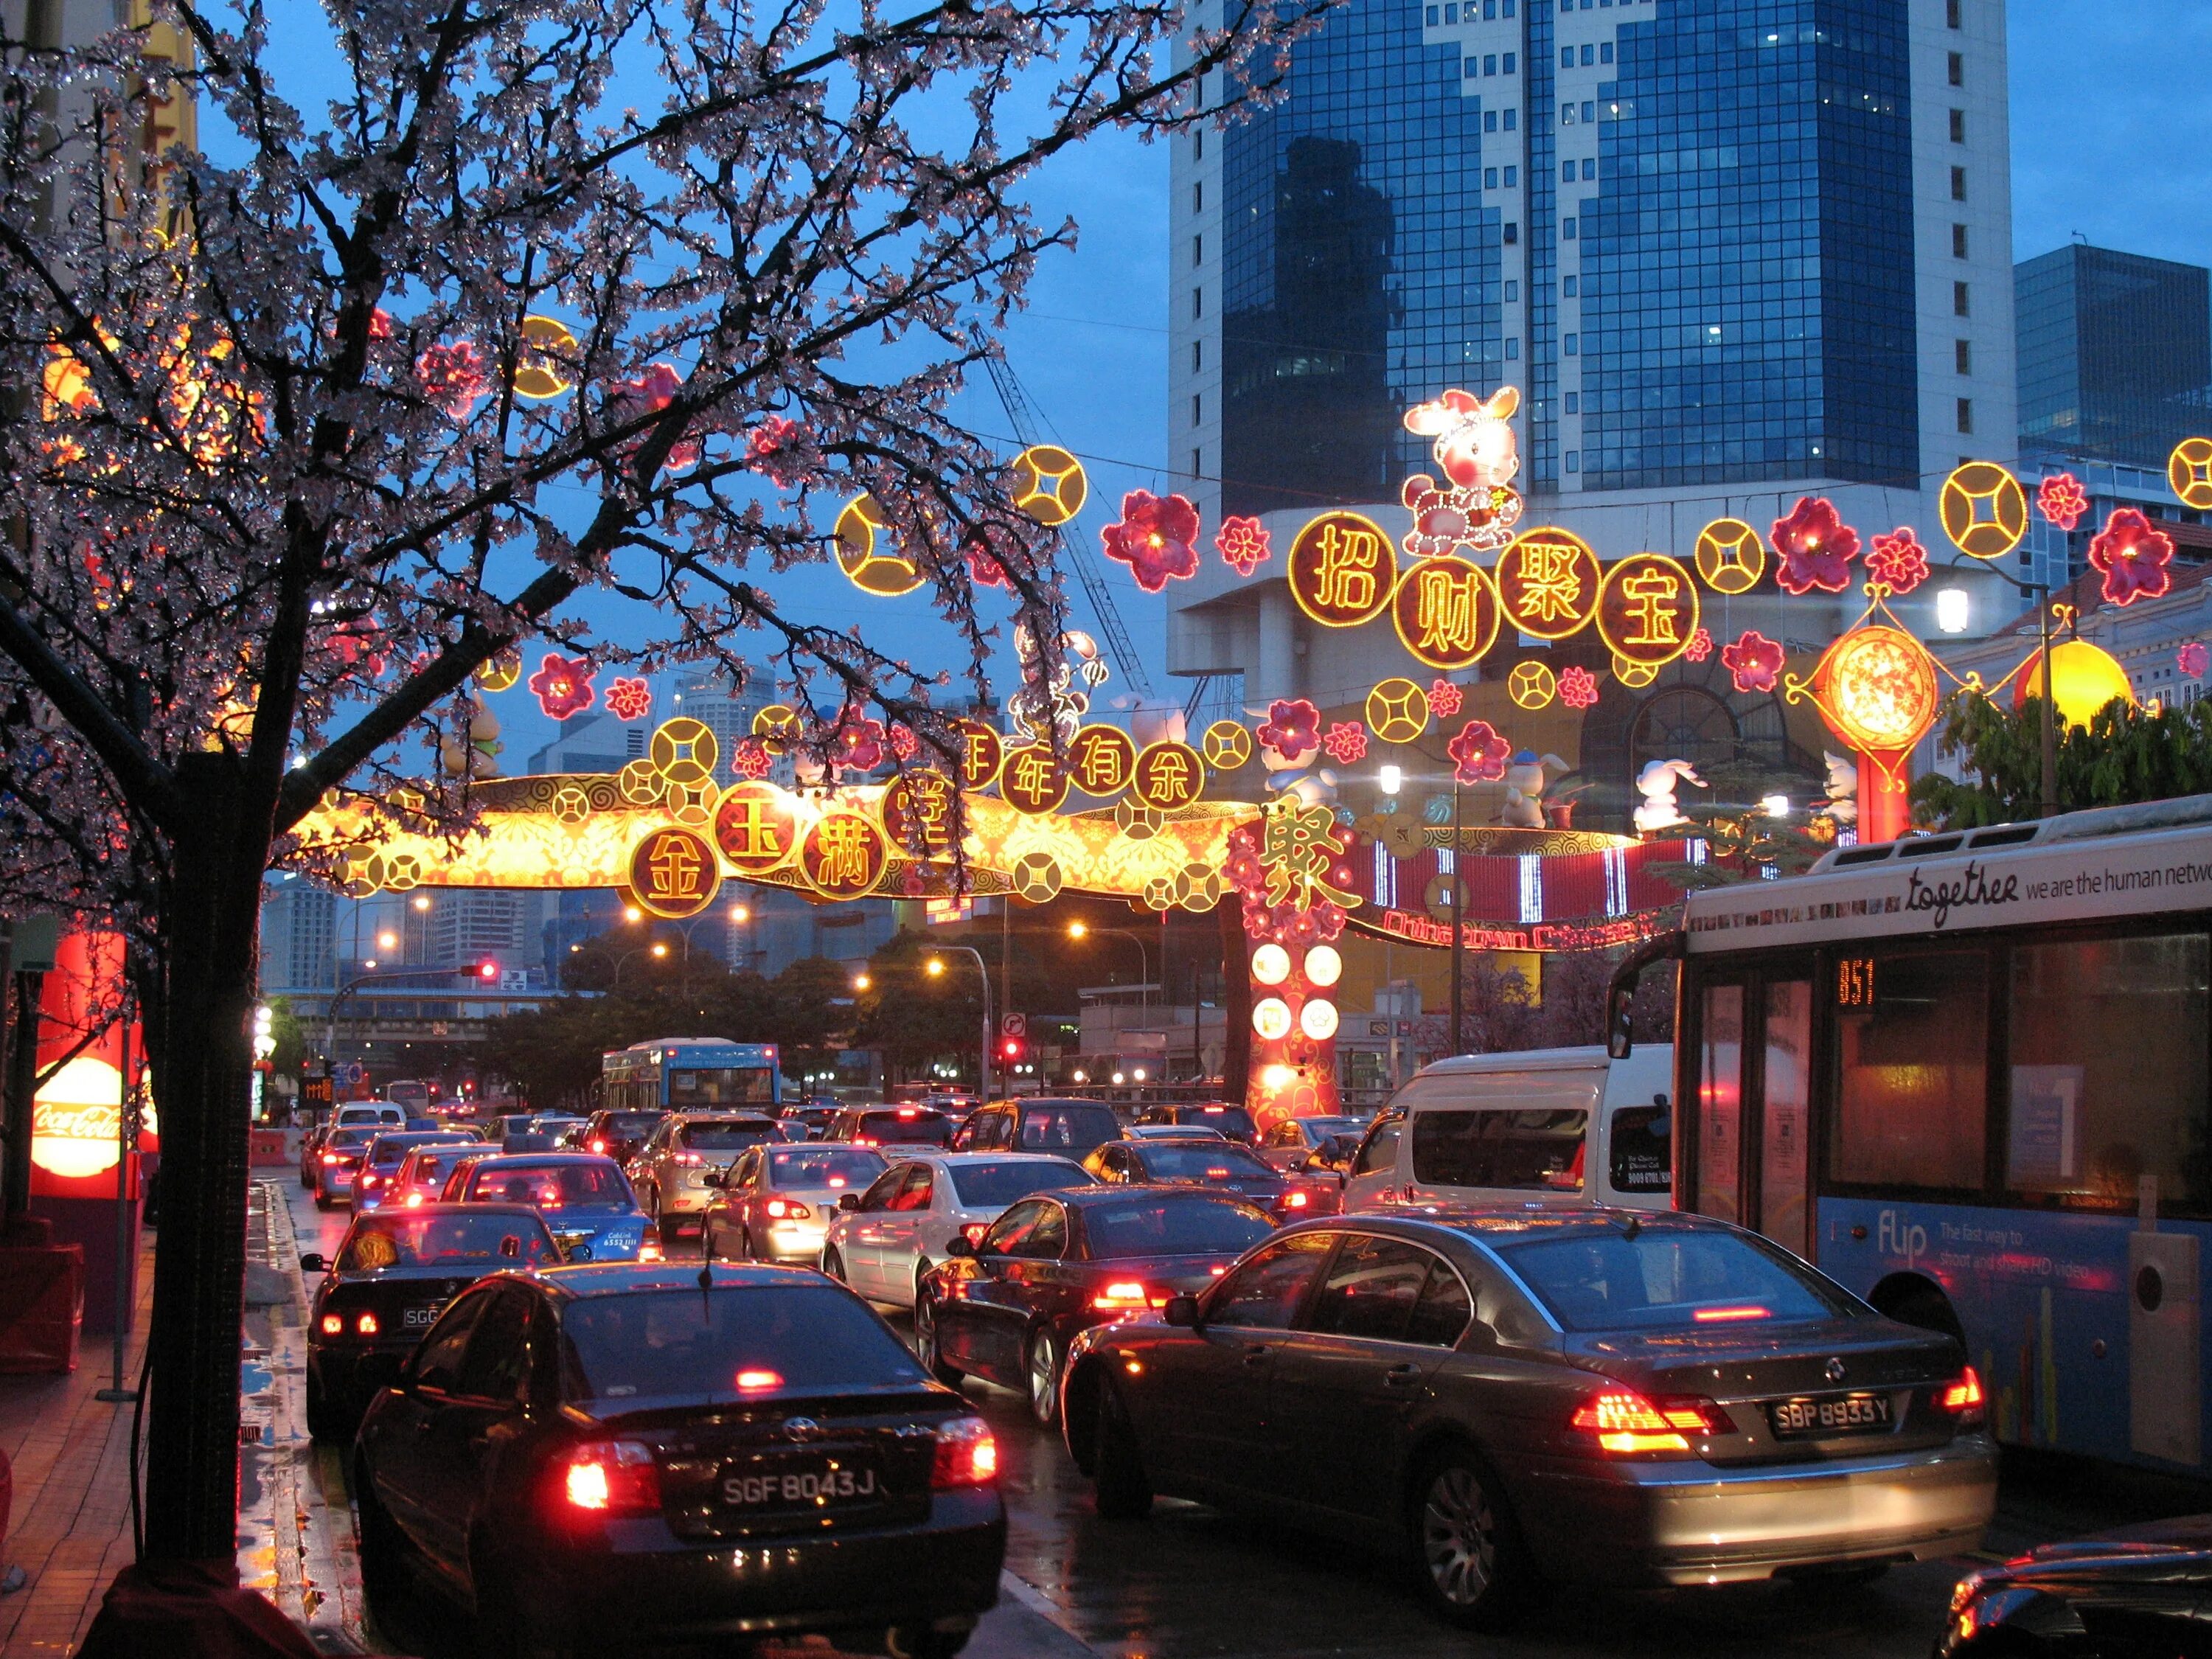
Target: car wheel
[[324, 1202], [1119, 1489], [833, 1265], [925, 1344], [745, 1251], [921, 1270], [1043, 1372], [906, 1643], [383, 1550], [322, 1421], [306, 1182], [1472, 1570]]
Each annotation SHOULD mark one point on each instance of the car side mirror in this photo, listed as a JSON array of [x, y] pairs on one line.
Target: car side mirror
[[718, 1177], [957, 1245], [314, 1263], [849, 1202], [579, 1251], [1182, 1311]]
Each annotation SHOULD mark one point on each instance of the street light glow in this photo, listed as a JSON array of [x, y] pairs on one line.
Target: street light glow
[[631, 913], [1078, 930], [935, 966], [1951, 609], [740, 913], [1776, 806], [659, 949], [422, 901], [1392, 778], [388, 941], [861, 981]]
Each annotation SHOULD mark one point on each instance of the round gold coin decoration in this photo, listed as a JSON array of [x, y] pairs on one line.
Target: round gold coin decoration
[[1226, 745], [1035, 878], [1397, 710], [1532, 685], [1049, 484], [1984, 510], [683, 750]]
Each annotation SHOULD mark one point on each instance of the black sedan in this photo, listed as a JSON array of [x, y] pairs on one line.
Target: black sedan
[[392, 1277], [1220, 1163], [2135, 1592], [1006, 1308], [1493, 1390], [619, 1456]]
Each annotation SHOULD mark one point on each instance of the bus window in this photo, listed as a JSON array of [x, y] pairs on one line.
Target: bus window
[[2108, 1071], [1720, 1103], [1783, 1166], [1912, 1070], [720, 1086]]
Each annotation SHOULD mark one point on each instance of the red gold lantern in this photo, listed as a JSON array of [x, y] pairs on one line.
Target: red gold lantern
[[1876, 688]]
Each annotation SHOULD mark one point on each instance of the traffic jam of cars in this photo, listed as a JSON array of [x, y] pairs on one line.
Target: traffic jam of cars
[[711, 1376]]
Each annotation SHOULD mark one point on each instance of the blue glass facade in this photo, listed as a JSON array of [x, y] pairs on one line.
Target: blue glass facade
[[1360, 267], [1746, 262], [2115, 354]]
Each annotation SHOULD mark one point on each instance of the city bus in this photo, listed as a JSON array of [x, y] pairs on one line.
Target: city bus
[[692, 1074], [1967, 1074]]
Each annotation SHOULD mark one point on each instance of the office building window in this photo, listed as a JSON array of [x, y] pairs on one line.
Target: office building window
[[1965, 356], [1951, 13], [1966, 414], [1957, 184], [1451, 13], [1198, 197], [1568, 286], [1512, 116], [1510, 57], [1509, 8], [1490, 64], [1433, 17], [1512, 350], [1196, 418], [1574, 402], [1512, 178], [1489, 9], [1958, 241], [1197, 250], [1197, 302], [1197, 464], [1567, 172], [1589, 167], [1490, 178], [1574, 345], [1473, 68], [1512, 236], [1197, 355], [1958, 68], [1512, 294], [1489, 116], [1567, 56], [1590, 110], [1590, 56], [1574, 461], [1957, 126], [1198, 145], [1604, 52], [1566, 230], [1960, 301]]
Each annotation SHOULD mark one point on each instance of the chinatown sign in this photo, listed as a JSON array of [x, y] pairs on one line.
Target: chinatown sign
[[1412, 927]]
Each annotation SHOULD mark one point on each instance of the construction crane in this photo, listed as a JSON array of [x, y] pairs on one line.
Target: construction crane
[[1079, 555]]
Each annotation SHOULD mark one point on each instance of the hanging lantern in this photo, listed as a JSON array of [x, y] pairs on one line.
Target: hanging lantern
[[1876, 688], [2084, 679]]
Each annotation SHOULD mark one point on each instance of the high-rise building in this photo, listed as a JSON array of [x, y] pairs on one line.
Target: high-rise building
[[298, 936], [1713, 244], [2115, 356]]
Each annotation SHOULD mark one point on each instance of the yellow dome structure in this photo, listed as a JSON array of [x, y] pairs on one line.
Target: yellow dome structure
[[2084, 679]]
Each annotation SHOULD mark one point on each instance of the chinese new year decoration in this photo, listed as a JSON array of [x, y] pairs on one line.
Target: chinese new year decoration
[[1157, 537], [1815, 547], [1446, 612], [1984, 510], [2134, 556], [1342, 569], [2189, 470], [1476, 507], [1730, 557]]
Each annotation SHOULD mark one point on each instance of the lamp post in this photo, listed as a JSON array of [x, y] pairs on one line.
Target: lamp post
[[1082, 930], [2041, 593], [656, 949], [936, 966], [345, 990]]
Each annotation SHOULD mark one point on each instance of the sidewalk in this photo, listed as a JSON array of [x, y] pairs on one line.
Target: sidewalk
[[71, 1528]]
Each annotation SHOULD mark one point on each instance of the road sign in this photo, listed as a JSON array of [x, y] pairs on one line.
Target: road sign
[[353, 1074], [1013, 1025], [315, 1092]]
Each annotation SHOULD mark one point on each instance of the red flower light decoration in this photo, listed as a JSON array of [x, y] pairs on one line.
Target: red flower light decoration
[[1242, 543], [2193, 660], [648, 394], [453, 377], [1700, 645], [1754, 661], [1898, 562], [904, 744], [630, 699], [1816, 548], [1479, 753], [857, 744], [750, 758], [1578, 688], [1346, 741], [562, 686], [1445, 699], [2133, 554], [1292, 728], [1156, 537], [775, 447], [2061, 499]]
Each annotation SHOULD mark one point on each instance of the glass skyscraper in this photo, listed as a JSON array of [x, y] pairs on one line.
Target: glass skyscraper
[[2115, 354]]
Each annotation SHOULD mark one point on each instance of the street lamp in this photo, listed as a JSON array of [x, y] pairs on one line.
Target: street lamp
[[936, 967], [1083, 930], [861, 981]]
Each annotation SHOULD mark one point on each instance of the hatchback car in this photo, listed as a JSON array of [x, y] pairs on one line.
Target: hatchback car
[[1233, 1121], [585, 1200], [1007, 1308], [775, 1203], [1495, 1389], [336, 1163], [616, 1456], [374, 1182], [1065, 1129], [1214, 1162], [391, 1278], [884, 1240], [619, 1135], [1314, 1143], [671, 1170]]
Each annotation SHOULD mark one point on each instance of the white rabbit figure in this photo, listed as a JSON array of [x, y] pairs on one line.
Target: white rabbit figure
[[1475, 442], [1656, 784], [1524, 790], [1842, 788]]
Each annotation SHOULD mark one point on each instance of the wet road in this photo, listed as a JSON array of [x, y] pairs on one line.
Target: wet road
[[1191, 1581]]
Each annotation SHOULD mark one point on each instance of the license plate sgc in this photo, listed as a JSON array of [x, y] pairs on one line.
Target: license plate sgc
[[1847, 1413]]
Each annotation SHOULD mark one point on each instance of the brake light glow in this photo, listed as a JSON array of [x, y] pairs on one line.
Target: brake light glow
[[758, 1381], [612, 1477], [1964, 1398], [836, 1181], [1294, 1201], [414, 1200], [687, 1157], [331, 1157], [650, 1250], [908, 1112], [366, 1325], [1125, 1295], [967, 1455], [787, 1209], [1726, 1315], [973, 1231], [333, 1325], [1626, 1423], [598, 1146]]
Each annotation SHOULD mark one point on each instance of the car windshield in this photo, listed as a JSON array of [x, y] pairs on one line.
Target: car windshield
[[434, 1241], [393, 1149], [1181, 1225], [1075, 1128], [1664, 1277], [1230, 1119], [630, 1126], [908, 1123], [1217, 1160], [831, 1167], [433, 1165], [995, 1186], [724, 1136], [550, 1185], [777, 1339]]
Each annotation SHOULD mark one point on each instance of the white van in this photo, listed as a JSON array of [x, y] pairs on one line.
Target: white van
[[1567, 1126]]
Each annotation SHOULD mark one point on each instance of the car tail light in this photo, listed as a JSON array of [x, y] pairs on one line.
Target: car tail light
[[758, 1381], [787, 1209], [1730, 1315], [333, 1325], [366, 1325], [598, 1146], [1626, 1423], [1963, 1399], [1292, 1200], [414, 1200], [330, 1157], [1125, 1296], [650, 1250], [967, 1455], [614, 1477], [973, 1231], [687, 1157]]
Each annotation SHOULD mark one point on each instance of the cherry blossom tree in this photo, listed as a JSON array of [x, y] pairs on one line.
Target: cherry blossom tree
[[555, 311]]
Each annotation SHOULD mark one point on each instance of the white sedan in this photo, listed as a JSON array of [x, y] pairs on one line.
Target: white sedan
[[882, 1242]]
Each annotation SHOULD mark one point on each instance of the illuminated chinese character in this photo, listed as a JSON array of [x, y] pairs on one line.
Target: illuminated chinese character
[[747, 830], [1168, 781], [1447, 620], [1296, 844], [1102, 763], [676, 865], [1653, 599], [1032, 782], [1350, 560], [1551, 582], [844, 852]]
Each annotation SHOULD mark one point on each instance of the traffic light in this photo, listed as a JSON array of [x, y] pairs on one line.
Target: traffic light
[[1012, 1048], [488, 972]]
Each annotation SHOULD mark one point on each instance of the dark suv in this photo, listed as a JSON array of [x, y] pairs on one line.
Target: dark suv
[[1069, 1127], [619, 1135]]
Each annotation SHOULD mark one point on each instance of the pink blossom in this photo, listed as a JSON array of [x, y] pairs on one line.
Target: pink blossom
[[1700, 645], [1754, 661], [453, 377], [1578, 686], [904, 745], [1292, 728], [2061, 500], [1479, 753], [777, 446], [1444, 699], [630, 699], [1346, 741], [562, 686], [1156, 538], [1242, 543], [1816, 548], [1898, 562], [648, 394], [2193, 660], [2133, 554], [749, 758]]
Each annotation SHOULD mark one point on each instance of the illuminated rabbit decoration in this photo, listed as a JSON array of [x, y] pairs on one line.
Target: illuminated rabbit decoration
[[1477, 507]]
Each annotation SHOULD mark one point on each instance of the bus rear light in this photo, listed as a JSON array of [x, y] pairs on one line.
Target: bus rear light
[[612, 1477], [1963, 1399]]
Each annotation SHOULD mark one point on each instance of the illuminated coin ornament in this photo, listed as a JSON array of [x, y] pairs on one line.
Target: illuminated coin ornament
[[1324, 966], [571, 804], [1195, 887], [1877, 688], [1647, 611], [982, 752], [1032, 779], [685, 751], [690, 803], [1226, 745], [673, 873], [1446, 612], [756, 827], [1137, 823], [501, 672], [541, 373], [1547, 583], [1634, 675], [1167, 775], [1159, 893], [843, 855], [866, 555], [1317, 1019], [1532, 685], [1100, 761], [1271, 964], [1271, 1018], [778, 727], [1342, 569], [1397, 711], [1035, 878], [1984, 510], [1731, 555], [640, 782], [2188, 470], [1048, 484]]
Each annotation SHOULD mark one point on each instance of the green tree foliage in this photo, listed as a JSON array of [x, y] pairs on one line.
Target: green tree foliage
[[916, 1018], [2126, 754]]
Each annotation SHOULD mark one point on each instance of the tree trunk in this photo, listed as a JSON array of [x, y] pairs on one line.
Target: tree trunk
[[210, 924]]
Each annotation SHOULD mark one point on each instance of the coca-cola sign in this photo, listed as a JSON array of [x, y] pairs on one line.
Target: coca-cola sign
[[77, 1119]]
